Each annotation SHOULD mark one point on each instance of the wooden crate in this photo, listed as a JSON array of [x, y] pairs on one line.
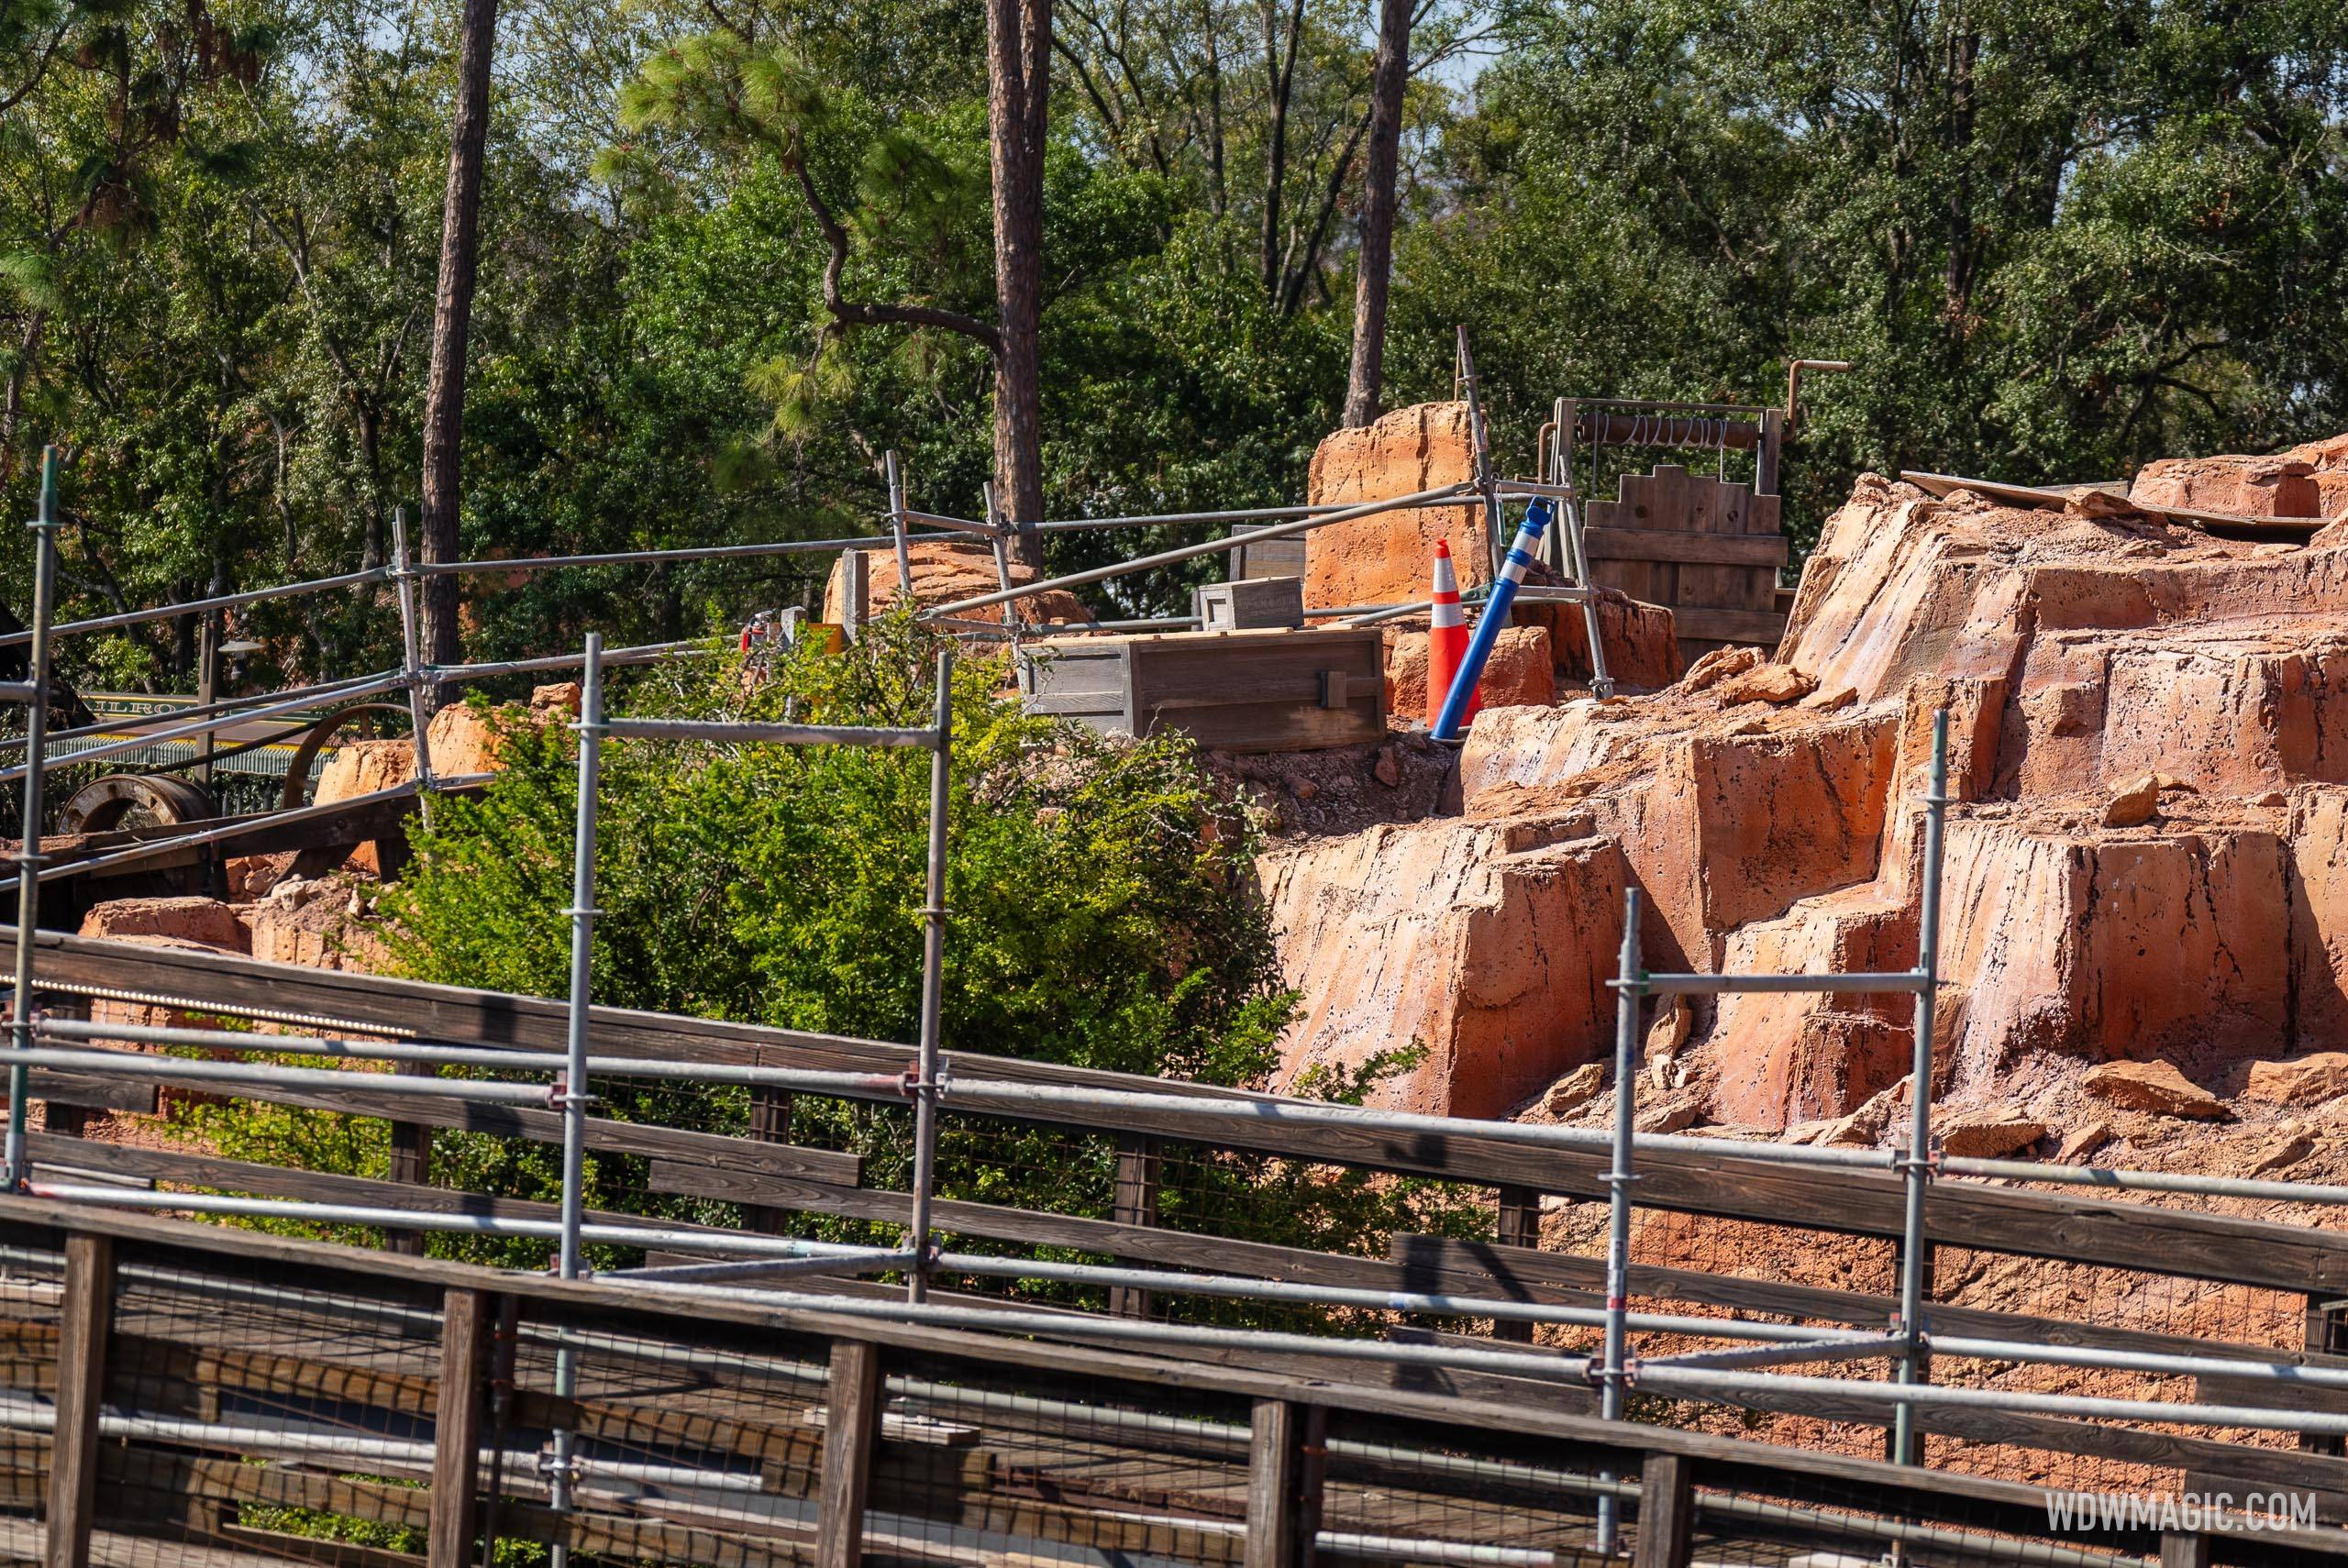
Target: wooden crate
[[1709, 549], [1249, 603], [1253, 690]]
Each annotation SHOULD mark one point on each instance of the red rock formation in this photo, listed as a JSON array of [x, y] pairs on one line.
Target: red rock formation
[[944, 571], [1388, 558], [2081, 656]]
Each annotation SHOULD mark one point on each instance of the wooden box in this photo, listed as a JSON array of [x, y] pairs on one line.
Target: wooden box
[[1283, 557], [1254, 690], [1251, 604]]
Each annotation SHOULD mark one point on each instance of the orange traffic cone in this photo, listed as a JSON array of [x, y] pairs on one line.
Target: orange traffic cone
[[1446, 635]]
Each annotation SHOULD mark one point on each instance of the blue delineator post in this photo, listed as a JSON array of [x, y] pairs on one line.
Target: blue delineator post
[[1493, 618]]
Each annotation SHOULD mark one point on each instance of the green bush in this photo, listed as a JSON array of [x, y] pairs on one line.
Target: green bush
[[1104, 915]]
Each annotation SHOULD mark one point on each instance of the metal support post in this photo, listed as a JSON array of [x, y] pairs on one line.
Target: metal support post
[[29, 859], [1572, 551], [904, 594], [420, 699], [1493, 546], [574, 1096], [1629, 988], [1918, 1165], [933, 983]]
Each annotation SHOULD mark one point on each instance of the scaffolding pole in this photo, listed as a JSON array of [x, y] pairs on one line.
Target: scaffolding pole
[[933, 983], [572, 1095], [420, 697], [29, 859], [1614, 1369], [1918, 1165]]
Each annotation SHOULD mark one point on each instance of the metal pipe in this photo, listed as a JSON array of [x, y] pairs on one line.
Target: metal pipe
[[2159, 1362], [862, 1085], [1239, 515], [574, 1098], [1918, 1165], [174, 1069], [1191, 552], [194, 606], [1737, 1388], [692, 553], [649, 1237], [29, 858], [897, 527], [1862, 1348], [881, 1260], [324, 693], [1479, 440], [755, 734], [645, 653], [2146, 1181], [1266, 1111], [933, 981], [1241, 1289], [18, 691], [1716, 985], [231, 829], [135, 743], [1550, 1367], [1628, 989], [419, 699]]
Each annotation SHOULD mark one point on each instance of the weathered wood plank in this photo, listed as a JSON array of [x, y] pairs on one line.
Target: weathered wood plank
[[456, 1432], [1275, 1465], [851, 1418], [2085, 1230], [1666, 1513], [82, 1339], [1666, 544]]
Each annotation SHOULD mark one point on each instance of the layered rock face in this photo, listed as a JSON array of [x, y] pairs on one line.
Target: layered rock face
[[2147, 856], [944, 571]]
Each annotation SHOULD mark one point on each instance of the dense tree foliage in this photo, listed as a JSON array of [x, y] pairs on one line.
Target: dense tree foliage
[[2057, 238]]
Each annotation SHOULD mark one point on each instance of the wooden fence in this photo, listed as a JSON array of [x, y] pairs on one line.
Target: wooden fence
[[769, 1173], [162, 1379]]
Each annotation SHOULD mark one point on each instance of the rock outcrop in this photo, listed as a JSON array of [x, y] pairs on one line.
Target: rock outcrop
[[944, 571], [2147, 857]]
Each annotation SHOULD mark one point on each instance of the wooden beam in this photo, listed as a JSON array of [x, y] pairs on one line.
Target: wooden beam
[[85, 1327], [457, 1426], [851, 1418], [2182, 1551], [1518, 1225], [2096, 1230], [1666, 1513], [1136, 1205], [1275, 1485], [1675, 544]]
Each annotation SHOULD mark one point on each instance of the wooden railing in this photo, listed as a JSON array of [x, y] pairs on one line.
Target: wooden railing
[[132, 1428], [768, 1176]]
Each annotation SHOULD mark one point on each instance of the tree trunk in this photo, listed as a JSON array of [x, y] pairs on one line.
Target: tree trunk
[[1366, 382], [1019, 41], [444, 397]]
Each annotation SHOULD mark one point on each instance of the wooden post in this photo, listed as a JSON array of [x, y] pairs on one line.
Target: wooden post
[[1137, 1172], [2327, 1335], [1765, 454], [2181, 1551], [1666, 1513], [1275, 1485], [1519, 1226], [771, 1110], [855, 592], [411, 1161], [851, 1418], [86, 1325], [457, 1428]]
